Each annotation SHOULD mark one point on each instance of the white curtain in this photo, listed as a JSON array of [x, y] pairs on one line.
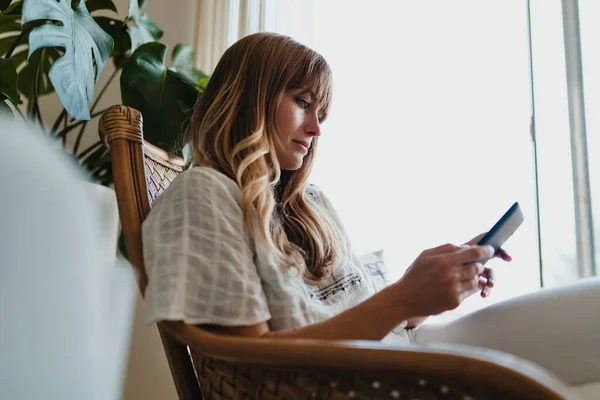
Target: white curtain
[[251, 18], [212, 34], [221, 23]]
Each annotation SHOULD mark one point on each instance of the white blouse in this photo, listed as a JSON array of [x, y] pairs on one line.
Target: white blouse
[[204, 268]]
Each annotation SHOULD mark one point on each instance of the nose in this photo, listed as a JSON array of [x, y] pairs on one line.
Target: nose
[[313, 127]]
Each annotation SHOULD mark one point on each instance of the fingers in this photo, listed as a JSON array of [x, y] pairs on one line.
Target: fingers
[[485, 288], [469, 271], [468, 287], [482, 282], [472, 280], [471, 254], [464, 266], [476, 239], [486, 282], [490, 275], [502, 254]]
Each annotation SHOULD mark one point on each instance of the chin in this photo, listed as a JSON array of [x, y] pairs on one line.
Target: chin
[[291, 165]]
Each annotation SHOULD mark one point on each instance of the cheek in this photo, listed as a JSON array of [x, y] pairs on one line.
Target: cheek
[[290, 120]]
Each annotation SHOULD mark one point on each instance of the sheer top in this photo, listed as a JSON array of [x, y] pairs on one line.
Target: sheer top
[[204, 268]]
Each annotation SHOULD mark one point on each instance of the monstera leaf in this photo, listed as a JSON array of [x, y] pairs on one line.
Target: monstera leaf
[[84, 43], [181, 60], [6, 42], [10, 27], [164, 97], [182, 56], [14, 35], [95, 5], [27, 76], [144, 30], [118, 31], [4, 4], [8, 86], [8, 81]]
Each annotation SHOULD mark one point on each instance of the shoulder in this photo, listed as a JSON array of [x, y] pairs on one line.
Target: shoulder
[[316, 194], [201, 184], [206, 177], [198, 191], [313, 191]]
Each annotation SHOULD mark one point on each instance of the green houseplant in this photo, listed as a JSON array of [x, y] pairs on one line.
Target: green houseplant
[[62, 46]]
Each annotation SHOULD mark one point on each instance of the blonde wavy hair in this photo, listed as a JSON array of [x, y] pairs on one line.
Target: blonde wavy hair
[[233, 130]]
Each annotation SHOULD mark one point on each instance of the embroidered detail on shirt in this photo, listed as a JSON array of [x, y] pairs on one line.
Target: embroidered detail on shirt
[[310, 189], [349, 280]]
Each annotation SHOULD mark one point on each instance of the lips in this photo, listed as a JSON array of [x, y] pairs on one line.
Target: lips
[[305, 144]]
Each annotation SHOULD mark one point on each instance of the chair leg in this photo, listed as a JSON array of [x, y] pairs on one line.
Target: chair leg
[[181, 366]]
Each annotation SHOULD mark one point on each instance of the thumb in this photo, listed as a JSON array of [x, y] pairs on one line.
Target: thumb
[[476, 239]]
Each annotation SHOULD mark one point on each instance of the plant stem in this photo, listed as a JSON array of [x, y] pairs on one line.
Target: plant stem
[[16, 43], [78, 123], [94, 115], [64, 137], [110, 79], [94, 105], [36, 107], [87, 151], [60, 118], [79, 137]]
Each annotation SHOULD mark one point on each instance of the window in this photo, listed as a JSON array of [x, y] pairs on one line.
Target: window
[[554, 148], [428, 139], [589, 10]]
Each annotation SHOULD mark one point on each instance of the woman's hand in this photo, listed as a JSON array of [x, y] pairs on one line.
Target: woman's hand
[[486, 279], [442, 277]]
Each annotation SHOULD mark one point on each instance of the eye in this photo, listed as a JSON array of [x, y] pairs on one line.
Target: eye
[[321, 119], [302, 103]]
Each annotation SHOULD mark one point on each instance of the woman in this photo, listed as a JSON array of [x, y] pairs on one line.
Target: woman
[[241, 244]]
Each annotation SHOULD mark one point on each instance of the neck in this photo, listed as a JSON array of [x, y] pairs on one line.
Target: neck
[[284, 179]]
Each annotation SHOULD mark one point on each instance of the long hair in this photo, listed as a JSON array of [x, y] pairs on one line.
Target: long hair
[[233, 130]]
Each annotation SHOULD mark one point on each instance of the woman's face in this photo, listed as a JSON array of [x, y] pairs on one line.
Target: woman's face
[[298, 120]]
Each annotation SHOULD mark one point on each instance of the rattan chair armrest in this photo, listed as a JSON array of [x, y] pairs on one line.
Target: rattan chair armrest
[[449, 362]]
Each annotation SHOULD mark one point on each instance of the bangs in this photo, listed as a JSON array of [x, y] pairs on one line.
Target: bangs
[[315, 77]]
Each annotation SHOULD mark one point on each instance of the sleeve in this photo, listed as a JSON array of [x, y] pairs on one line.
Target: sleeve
[[199, 256]]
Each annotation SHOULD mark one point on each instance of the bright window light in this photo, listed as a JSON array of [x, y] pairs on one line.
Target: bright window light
[[428, 139]]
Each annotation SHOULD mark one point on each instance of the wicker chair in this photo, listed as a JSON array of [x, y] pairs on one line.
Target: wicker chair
[[211, 366]]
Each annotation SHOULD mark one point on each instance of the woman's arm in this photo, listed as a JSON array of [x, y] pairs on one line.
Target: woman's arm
[[437, 281], [370, 320]]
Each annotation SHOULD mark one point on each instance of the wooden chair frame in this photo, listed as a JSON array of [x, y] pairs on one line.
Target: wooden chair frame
[[341, 369]]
